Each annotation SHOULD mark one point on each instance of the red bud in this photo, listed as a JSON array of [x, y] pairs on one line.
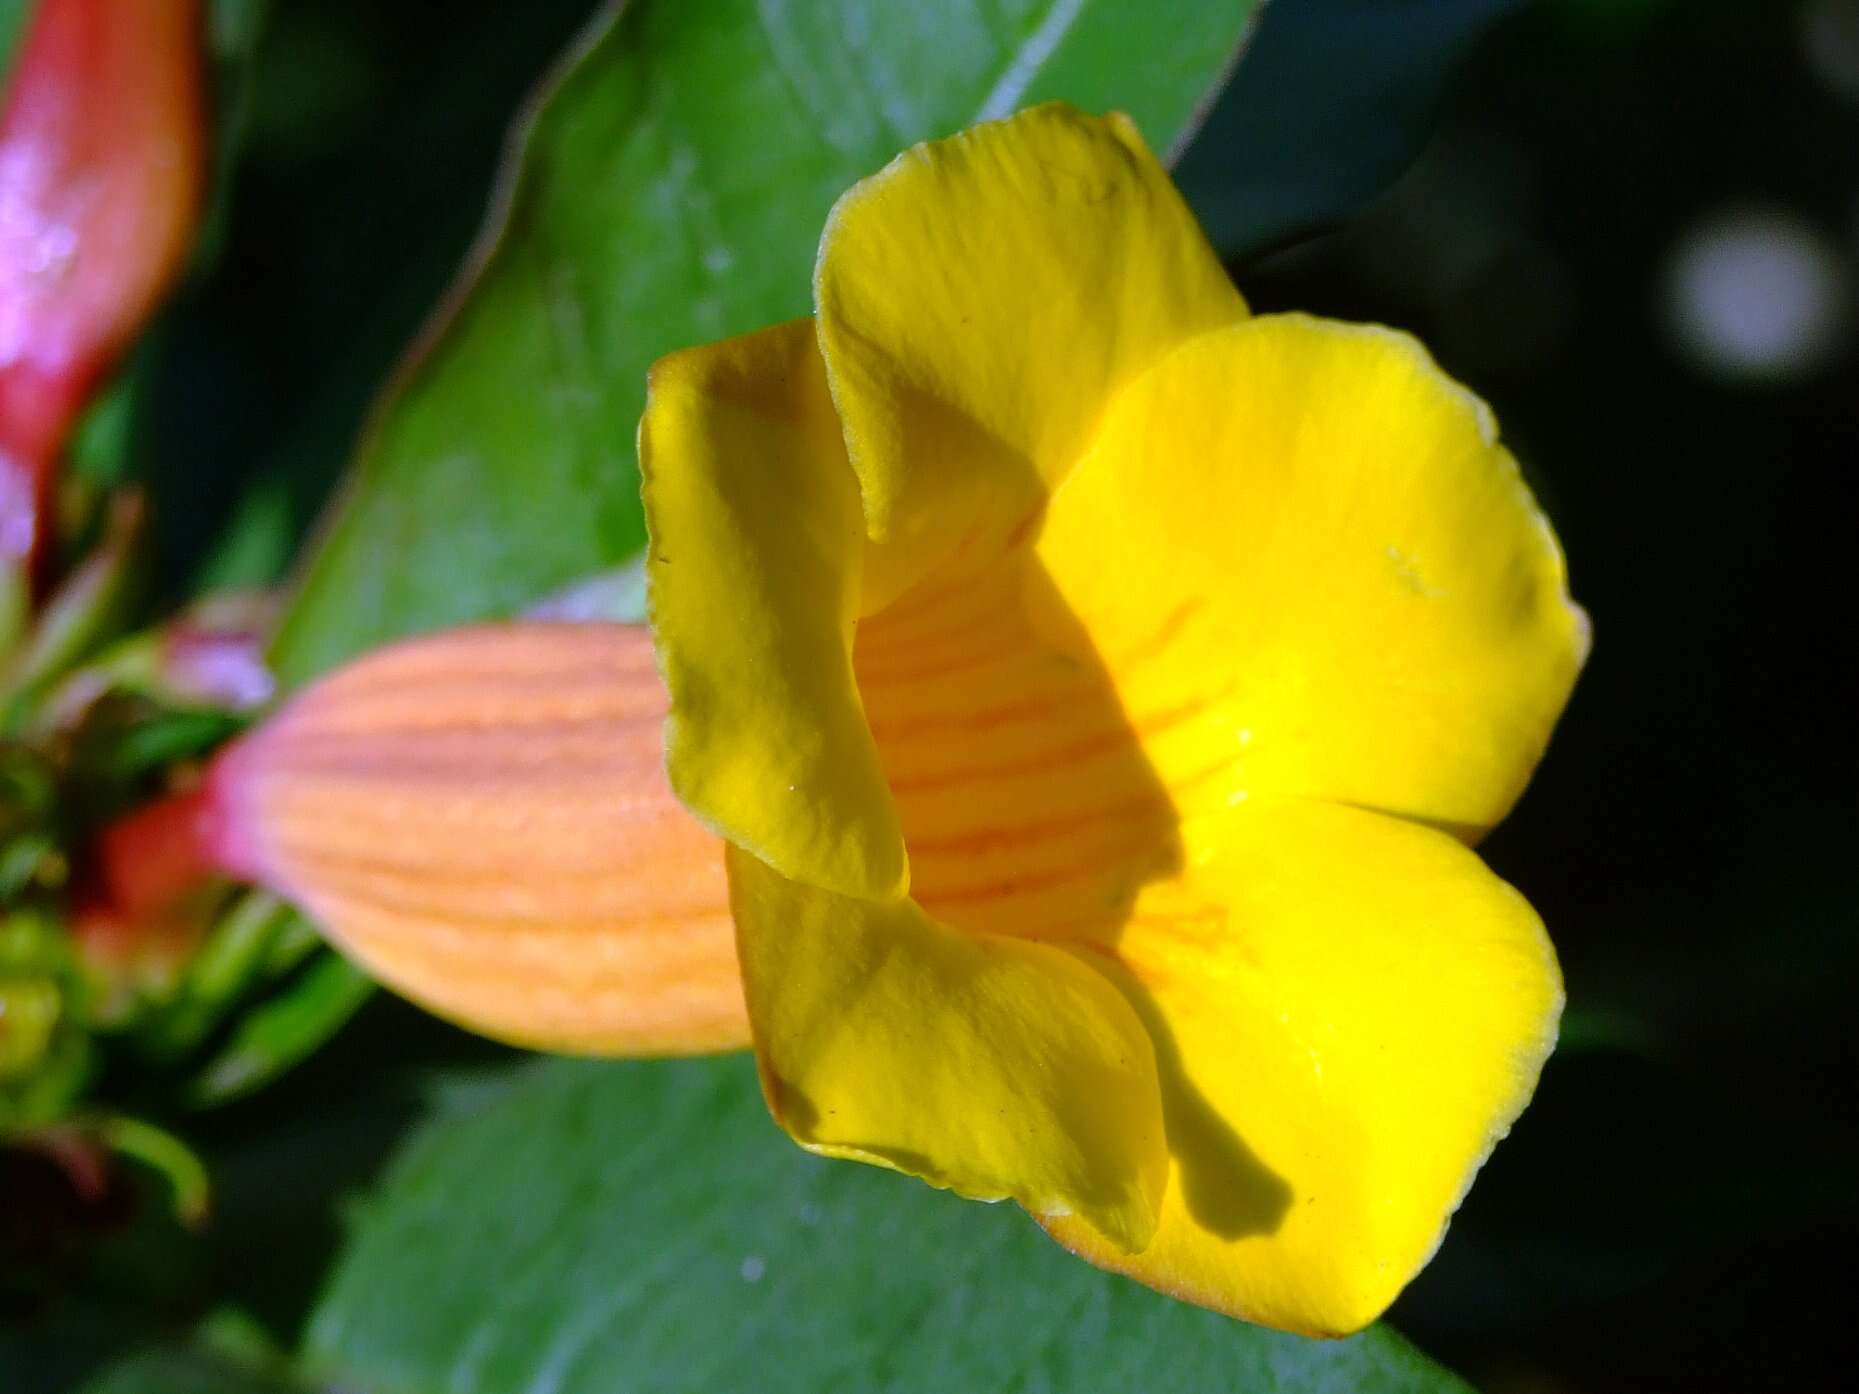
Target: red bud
[[101, 156]]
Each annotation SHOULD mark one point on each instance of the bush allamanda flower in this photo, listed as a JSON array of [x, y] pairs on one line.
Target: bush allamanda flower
[[1096, 689]]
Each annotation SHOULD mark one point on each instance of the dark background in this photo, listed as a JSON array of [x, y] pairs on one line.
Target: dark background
[[1678, 1210]]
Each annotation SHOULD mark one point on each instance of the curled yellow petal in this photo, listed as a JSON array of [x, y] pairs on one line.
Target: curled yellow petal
[[753, 585], [481, 818], [878, 1029], [982, 298]]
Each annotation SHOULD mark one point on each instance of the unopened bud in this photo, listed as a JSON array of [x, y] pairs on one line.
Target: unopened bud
[[101, 158], [481, 818]]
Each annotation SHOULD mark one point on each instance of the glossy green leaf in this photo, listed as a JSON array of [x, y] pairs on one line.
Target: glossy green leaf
[[1334, 100], [669, 189], [586, 1228]]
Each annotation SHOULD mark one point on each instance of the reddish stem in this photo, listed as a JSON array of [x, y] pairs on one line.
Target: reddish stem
[[146, 860], [36, 412]]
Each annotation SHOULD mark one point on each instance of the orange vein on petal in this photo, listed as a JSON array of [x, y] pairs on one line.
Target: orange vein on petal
[[1018, 780]]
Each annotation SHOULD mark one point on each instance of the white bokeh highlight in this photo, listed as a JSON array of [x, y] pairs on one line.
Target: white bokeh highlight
[[1758, 293]]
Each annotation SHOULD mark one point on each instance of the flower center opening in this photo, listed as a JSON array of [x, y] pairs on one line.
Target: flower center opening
[[1028, 804]]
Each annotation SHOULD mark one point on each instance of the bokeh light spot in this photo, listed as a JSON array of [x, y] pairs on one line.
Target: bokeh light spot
[[1757, 294]]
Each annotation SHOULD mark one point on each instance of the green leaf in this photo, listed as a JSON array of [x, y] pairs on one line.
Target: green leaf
[[281, 1031], [668, 189], [591, 1227], [1333, 102], [12, 27]]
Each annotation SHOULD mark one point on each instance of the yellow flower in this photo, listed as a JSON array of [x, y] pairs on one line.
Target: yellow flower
[[1097, 689]]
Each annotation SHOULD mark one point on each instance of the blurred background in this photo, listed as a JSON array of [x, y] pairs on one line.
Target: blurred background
[[1634, 228]]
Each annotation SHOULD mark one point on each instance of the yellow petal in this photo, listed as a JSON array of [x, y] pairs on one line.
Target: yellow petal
[[990, 1066], [481, 818], [753, 582], [982, 298], [1348, 1011], [1302, 542]]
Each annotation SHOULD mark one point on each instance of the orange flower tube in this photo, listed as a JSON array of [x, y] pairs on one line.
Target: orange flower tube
[[481, 819]]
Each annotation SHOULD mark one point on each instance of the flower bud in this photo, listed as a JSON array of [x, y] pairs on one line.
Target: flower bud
[[481, 818], [101, 157]]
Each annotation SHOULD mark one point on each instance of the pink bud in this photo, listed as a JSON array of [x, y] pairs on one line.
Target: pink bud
[[101, 157]]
